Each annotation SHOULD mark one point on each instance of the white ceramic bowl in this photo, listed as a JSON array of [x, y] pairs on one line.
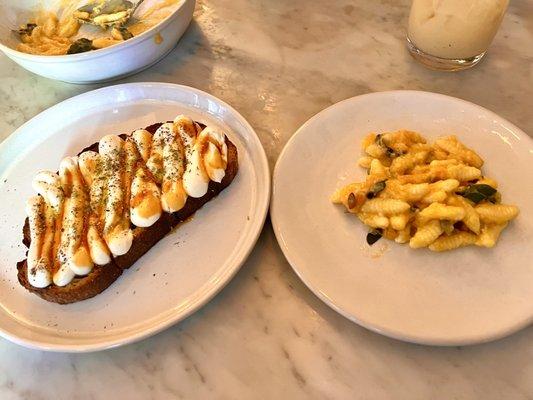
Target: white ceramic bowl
[[100, 65]]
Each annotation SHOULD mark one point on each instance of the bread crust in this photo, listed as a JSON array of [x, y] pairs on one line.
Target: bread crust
[[101, 277], [81, 288]]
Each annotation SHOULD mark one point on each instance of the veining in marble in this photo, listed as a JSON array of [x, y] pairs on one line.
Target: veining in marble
[[265, 335]]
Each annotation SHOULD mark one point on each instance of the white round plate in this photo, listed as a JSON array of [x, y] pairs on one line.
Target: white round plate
[[465, 296], [178, 275]]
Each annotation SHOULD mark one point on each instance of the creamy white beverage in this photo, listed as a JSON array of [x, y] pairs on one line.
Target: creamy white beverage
[[455, 29]]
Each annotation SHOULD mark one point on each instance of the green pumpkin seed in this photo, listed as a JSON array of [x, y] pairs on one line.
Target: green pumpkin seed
[[373, 236]]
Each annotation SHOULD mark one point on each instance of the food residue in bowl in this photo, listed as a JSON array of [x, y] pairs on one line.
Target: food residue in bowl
[[70, 31]]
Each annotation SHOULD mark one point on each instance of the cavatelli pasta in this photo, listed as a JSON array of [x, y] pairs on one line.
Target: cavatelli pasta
[[341, 194], [446, 185], [426, 234], [459, 151], [385, 206], [365, 162], [377, 168], [413, 192], [490, 234], [368, 140], [471, 218], [496, 213], [404, 235], [438, 196], [463, 173], [375, 151], [427, 195], [442, 211], [399, 222], [453, 241], [374, 220]]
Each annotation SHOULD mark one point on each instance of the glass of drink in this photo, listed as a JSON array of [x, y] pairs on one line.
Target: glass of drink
[[452, 35]]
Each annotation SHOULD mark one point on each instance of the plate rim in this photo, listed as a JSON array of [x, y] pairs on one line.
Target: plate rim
[[388, 332], [263, 202]]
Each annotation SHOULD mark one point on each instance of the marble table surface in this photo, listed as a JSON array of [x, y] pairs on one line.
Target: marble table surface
[[266, 335]]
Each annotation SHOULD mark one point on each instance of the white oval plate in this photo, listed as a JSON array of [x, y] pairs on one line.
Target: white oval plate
[[461, 297], [176, 277]]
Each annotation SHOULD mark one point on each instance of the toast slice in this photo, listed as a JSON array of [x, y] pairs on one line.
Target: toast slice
[[101, 277]]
